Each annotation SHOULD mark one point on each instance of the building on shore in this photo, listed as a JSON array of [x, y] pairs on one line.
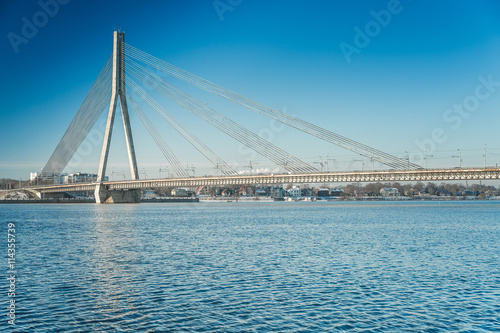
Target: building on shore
[[64, 178], [389, 192], [323, 192], [80, 177], [294, 192]]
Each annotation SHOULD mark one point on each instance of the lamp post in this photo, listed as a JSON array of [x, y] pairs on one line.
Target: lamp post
[[188, 168], [217, 169], [329, 159], [250, 166], [425, 158], [484, 155], [459, 158]]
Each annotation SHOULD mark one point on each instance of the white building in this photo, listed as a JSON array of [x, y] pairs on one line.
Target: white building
[[80, 177], [294, 191], [49, 178], [77, 177], [179, 192], [389, 192]]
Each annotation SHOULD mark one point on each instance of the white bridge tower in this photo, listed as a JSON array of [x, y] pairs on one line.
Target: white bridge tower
[[103, 194]]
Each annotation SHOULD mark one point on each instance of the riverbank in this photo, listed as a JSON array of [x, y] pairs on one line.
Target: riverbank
[[88, 200], [242, 199], [46, 201]]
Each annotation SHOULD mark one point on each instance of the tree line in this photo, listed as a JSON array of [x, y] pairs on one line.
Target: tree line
[[421, 189]]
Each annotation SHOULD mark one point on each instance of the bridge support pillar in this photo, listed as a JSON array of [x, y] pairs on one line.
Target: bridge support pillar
[[37, 194], [105, 195]]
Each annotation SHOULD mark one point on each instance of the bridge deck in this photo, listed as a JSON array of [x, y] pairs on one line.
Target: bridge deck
[[320, 177]]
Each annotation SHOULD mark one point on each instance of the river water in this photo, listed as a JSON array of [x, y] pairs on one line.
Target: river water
[[262, 267]]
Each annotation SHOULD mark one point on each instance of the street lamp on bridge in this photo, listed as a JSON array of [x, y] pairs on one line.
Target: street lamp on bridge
[[459, 158], [329, 159], [425, 158], [190, 168], [484, 155], [217, 169]]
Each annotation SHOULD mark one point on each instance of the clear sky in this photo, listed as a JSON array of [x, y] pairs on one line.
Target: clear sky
[[401, 76]]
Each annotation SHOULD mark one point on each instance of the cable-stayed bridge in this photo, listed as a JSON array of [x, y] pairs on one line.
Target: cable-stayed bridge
[[129, 68]]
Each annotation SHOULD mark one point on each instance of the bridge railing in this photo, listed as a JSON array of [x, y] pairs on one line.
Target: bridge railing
[[376, 175]]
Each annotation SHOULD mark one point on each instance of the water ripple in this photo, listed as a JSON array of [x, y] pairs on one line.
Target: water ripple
[[257, 267]]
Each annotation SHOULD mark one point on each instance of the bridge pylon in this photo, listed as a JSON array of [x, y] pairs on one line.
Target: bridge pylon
[[102, 193]]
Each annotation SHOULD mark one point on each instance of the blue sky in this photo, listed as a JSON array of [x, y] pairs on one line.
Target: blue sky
[[396, 92]]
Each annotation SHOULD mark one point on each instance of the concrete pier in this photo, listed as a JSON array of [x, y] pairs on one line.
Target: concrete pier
[[103, 195]]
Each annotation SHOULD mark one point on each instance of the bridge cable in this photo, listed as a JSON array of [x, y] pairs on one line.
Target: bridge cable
[[89, 112], [190, 137], [272, 113], [396, 162], [223, 123], [165, 149], [245, 136]]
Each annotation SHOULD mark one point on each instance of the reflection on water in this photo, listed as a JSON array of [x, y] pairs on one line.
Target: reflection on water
[[115, 258], [257, 266]]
